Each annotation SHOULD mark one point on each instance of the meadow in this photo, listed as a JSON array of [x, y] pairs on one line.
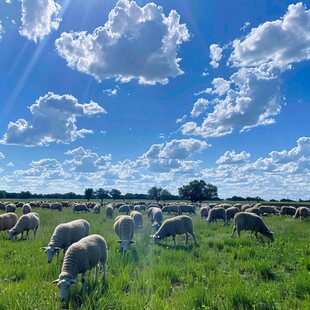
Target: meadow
[[222, 273]]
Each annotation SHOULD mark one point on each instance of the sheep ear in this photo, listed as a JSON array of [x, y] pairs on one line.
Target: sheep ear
[[73, 281], [44, 248], [152, 236], [119, 241], [57, 248], [55, 281], [131, 241]]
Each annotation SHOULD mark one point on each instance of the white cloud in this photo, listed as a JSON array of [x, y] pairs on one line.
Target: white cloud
[[280, 42], [39, 18], [111, 91], [135, 43], [245, 105], [232, 158], [215, 55], [10, 164], [199, 107], [2, 31], [1, 156], [53, 120], [181, 119]]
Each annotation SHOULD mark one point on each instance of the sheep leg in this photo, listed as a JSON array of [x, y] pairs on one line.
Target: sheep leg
[[83, 283], [186, 238], [194, 237], [96, 273], [174, 241], [234, 230]]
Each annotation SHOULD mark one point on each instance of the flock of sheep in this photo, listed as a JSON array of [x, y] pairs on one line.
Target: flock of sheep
[[84, 251]]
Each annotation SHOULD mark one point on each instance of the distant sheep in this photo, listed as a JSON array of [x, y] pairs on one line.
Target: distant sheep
[[252, 222], [137, 218], [287, 210], [109, 212], [45, 205], [156, 216], [124, 209], [2, 206], [124, 227], [8, 220], [26, 222], [80, 208], [57, 206], [10, 208], [231, 212], [268, 210], [302, 213], [244, 207], [217, 213], [137, 208], [204, 212], [96, 209], [80, 257], [171, 209], [26, 208], [254, 210], [186, 209], [181, 224], [64, 235]]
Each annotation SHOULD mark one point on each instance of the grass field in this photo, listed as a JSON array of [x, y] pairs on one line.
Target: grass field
[[222, 273]]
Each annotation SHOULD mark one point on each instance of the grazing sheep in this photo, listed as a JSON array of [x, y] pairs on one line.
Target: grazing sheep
[[204, 212], [137, 218], [268, 210], [124, 227], [45, 205], [80, 257], [26, 222], [2, 206], [34, 204], [181, 224], [217, 213], [109, 212], [64, 235], [186, 209], [19, 204], [10, 208], [57, 206], [287, 210], [80, 208], [254, 210], [156, 216], [244, 207], [231, 212], [96, 209], [124, 209], [252, 222], [8, 220], [137, 208], [26, 208], [302, 212]]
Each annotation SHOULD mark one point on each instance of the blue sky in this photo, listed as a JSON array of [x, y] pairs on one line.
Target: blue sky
[[134, 94]]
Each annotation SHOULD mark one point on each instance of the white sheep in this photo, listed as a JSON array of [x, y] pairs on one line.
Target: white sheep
[[124, 227], [302, 212], [10, 208], [137, 218], [64, 235], [204, 211], [96, 209], [181, 224], [26, 208], [80, 257], [216, 214], [57, 206], [8, 220], [26, 222], [156, 216], [80, 208], [252, 222], [109, 212]]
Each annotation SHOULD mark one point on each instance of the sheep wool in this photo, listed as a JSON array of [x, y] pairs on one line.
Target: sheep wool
[[216, 214], [26, 222], [8, 220], [64, 235], [80, 208], [137, 218], [252, 222], [80, 257], [124, 227], [181, 224], [26, 208]]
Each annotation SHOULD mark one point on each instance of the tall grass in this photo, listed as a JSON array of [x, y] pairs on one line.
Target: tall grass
[[222, 273]]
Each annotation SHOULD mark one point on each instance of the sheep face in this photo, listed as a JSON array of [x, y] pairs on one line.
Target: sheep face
[[51, 251], [155, 238], [64, 285], [125, 245], [11, 233], [269, 234]]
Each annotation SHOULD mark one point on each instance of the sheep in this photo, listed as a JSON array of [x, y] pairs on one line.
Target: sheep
[[254, 210], [204, 212], [230, 213], [252, 222], [45, 205], [268, 210], [124, 227], [171, 209], [244, 207], [137, 208], [64, 235], [57, 206], [124, 209], [8, 220], [80, 257], [2, 206], [216, 214], [302, 212], [156, 216], [109, 212], [26, 222], [26, 208], [186, 208], [287, 210], [137, 218], [10, 208], [96, 209], [181, 224], [19, 204], [80, 208]]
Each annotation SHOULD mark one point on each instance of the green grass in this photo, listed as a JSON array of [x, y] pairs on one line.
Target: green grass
[[222, 273]]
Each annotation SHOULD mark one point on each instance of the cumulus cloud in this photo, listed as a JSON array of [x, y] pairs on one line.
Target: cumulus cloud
[[244, 106], [135, 43], [1, 156], [215, 55], [53, 120], [111, 91], [2, 31], [280, 42], [199, 107], [232, 158], [39, 18]]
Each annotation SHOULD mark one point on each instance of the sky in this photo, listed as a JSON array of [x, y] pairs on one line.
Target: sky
[[135, 94]]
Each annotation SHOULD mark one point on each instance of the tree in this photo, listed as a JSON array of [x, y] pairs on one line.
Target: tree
[[198, 190], [115, 194], [165, 195], [102, 194], [155, 192], [25, 195], [89, 192]]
